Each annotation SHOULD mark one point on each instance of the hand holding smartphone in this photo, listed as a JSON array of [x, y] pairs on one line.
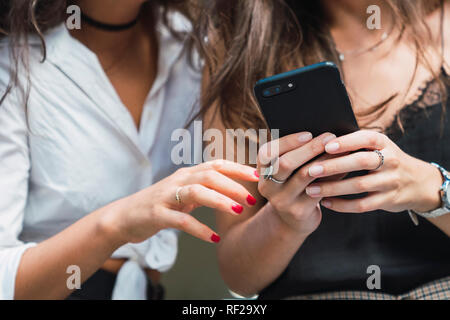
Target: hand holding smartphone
[[312, 99]]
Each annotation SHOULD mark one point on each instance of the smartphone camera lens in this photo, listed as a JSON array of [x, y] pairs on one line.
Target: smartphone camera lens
[[272, 91]]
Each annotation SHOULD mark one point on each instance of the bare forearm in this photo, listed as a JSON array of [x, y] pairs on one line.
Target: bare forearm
[[254, 253], [86, 244]]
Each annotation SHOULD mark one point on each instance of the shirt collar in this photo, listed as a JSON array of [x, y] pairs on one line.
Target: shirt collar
[[81, 65], [59, 42]]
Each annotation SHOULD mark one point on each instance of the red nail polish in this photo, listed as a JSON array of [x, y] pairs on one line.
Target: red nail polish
[[237, 208], [257, 173], [215, 238], [250, 200]]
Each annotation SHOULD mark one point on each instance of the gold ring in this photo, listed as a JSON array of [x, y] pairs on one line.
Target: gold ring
[[177, 195]]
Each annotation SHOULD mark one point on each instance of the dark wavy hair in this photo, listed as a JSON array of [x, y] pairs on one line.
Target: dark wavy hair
[[253, 39], [240, 42], [21, 18]]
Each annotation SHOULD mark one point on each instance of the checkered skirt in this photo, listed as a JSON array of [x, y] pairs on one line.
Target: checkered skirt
[[435, 290]]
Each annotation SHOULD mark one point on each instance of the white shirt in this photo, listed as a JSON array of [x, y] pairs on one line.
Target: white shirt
[[82, 150]]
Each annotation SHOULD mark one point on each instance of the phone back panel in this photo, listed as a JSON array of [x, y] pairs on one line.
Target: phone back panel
[[318, 101]]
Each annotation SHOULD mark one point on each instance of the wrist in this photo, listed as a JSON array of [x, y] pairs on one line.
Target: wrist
[[110, 223], [430, 193], [286, 227]]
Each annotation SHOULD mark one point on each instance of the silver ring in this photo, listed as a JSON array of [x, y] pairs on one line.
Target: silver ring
[[267, 172], [276, 181], [177, 195], [378, 152], [268, 175]]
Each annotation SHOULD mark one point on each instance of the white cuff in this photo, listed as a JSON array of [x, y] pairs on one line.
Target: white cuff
[[9, 263]]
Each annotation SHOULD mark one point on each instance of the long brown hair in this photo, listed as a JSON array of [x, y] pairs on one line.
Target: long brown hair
[[252, 39], [21, 18]]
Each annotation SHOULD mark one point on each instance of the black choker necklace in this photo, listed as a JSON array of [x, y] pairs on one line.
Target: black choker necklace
[[108, 27]]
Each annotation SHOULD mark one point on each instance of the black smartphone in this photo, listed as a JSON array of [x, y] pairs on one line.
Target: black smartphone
[[311, 98]]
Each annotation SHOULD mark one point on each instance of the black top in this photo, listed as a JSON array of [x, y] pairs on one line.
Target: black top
[[336, 256]]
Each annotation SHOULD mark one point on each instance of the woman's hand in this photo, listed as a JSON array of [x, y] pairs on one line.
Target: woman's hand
[[288, 200], [210, 184], [401, 183]]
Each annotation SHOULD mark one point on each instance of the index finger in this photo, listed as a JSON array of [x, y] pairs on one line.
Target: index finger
[[231, 169], [275, 148], [363, 139], [187, 223]]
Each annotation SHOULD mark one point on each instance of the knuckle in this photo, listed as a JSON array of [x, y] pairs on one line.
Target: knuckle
[[317, 146], [209, 176], [364, 160], [373, 138], [182, 171], [193, 190], [182, 222], [285, 164], [360, 184], [188, 190], [218, 164], [373, 141], [394, 162], [361, 207]]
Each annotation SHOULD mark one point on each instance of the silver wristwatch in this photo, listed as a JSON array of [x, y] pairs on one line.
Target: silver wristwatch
[[445, 198]]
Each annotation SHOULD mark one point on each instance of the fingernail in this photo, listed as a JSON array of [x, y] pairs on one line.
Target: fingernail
[[256, 173], [326, 203], [313, 191], [332, 147], [328, 139], [251, 200], [315, 171], [215, 238], [304, 137], [237, 208]]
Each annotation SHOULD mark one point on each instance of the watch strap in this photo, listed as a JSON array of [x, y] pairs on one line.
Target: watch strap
[[445, 209]]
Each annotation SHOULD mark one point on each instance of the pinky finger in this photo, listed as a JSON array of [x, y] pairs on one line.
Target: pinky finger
[[187, 223], [372, 202]]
